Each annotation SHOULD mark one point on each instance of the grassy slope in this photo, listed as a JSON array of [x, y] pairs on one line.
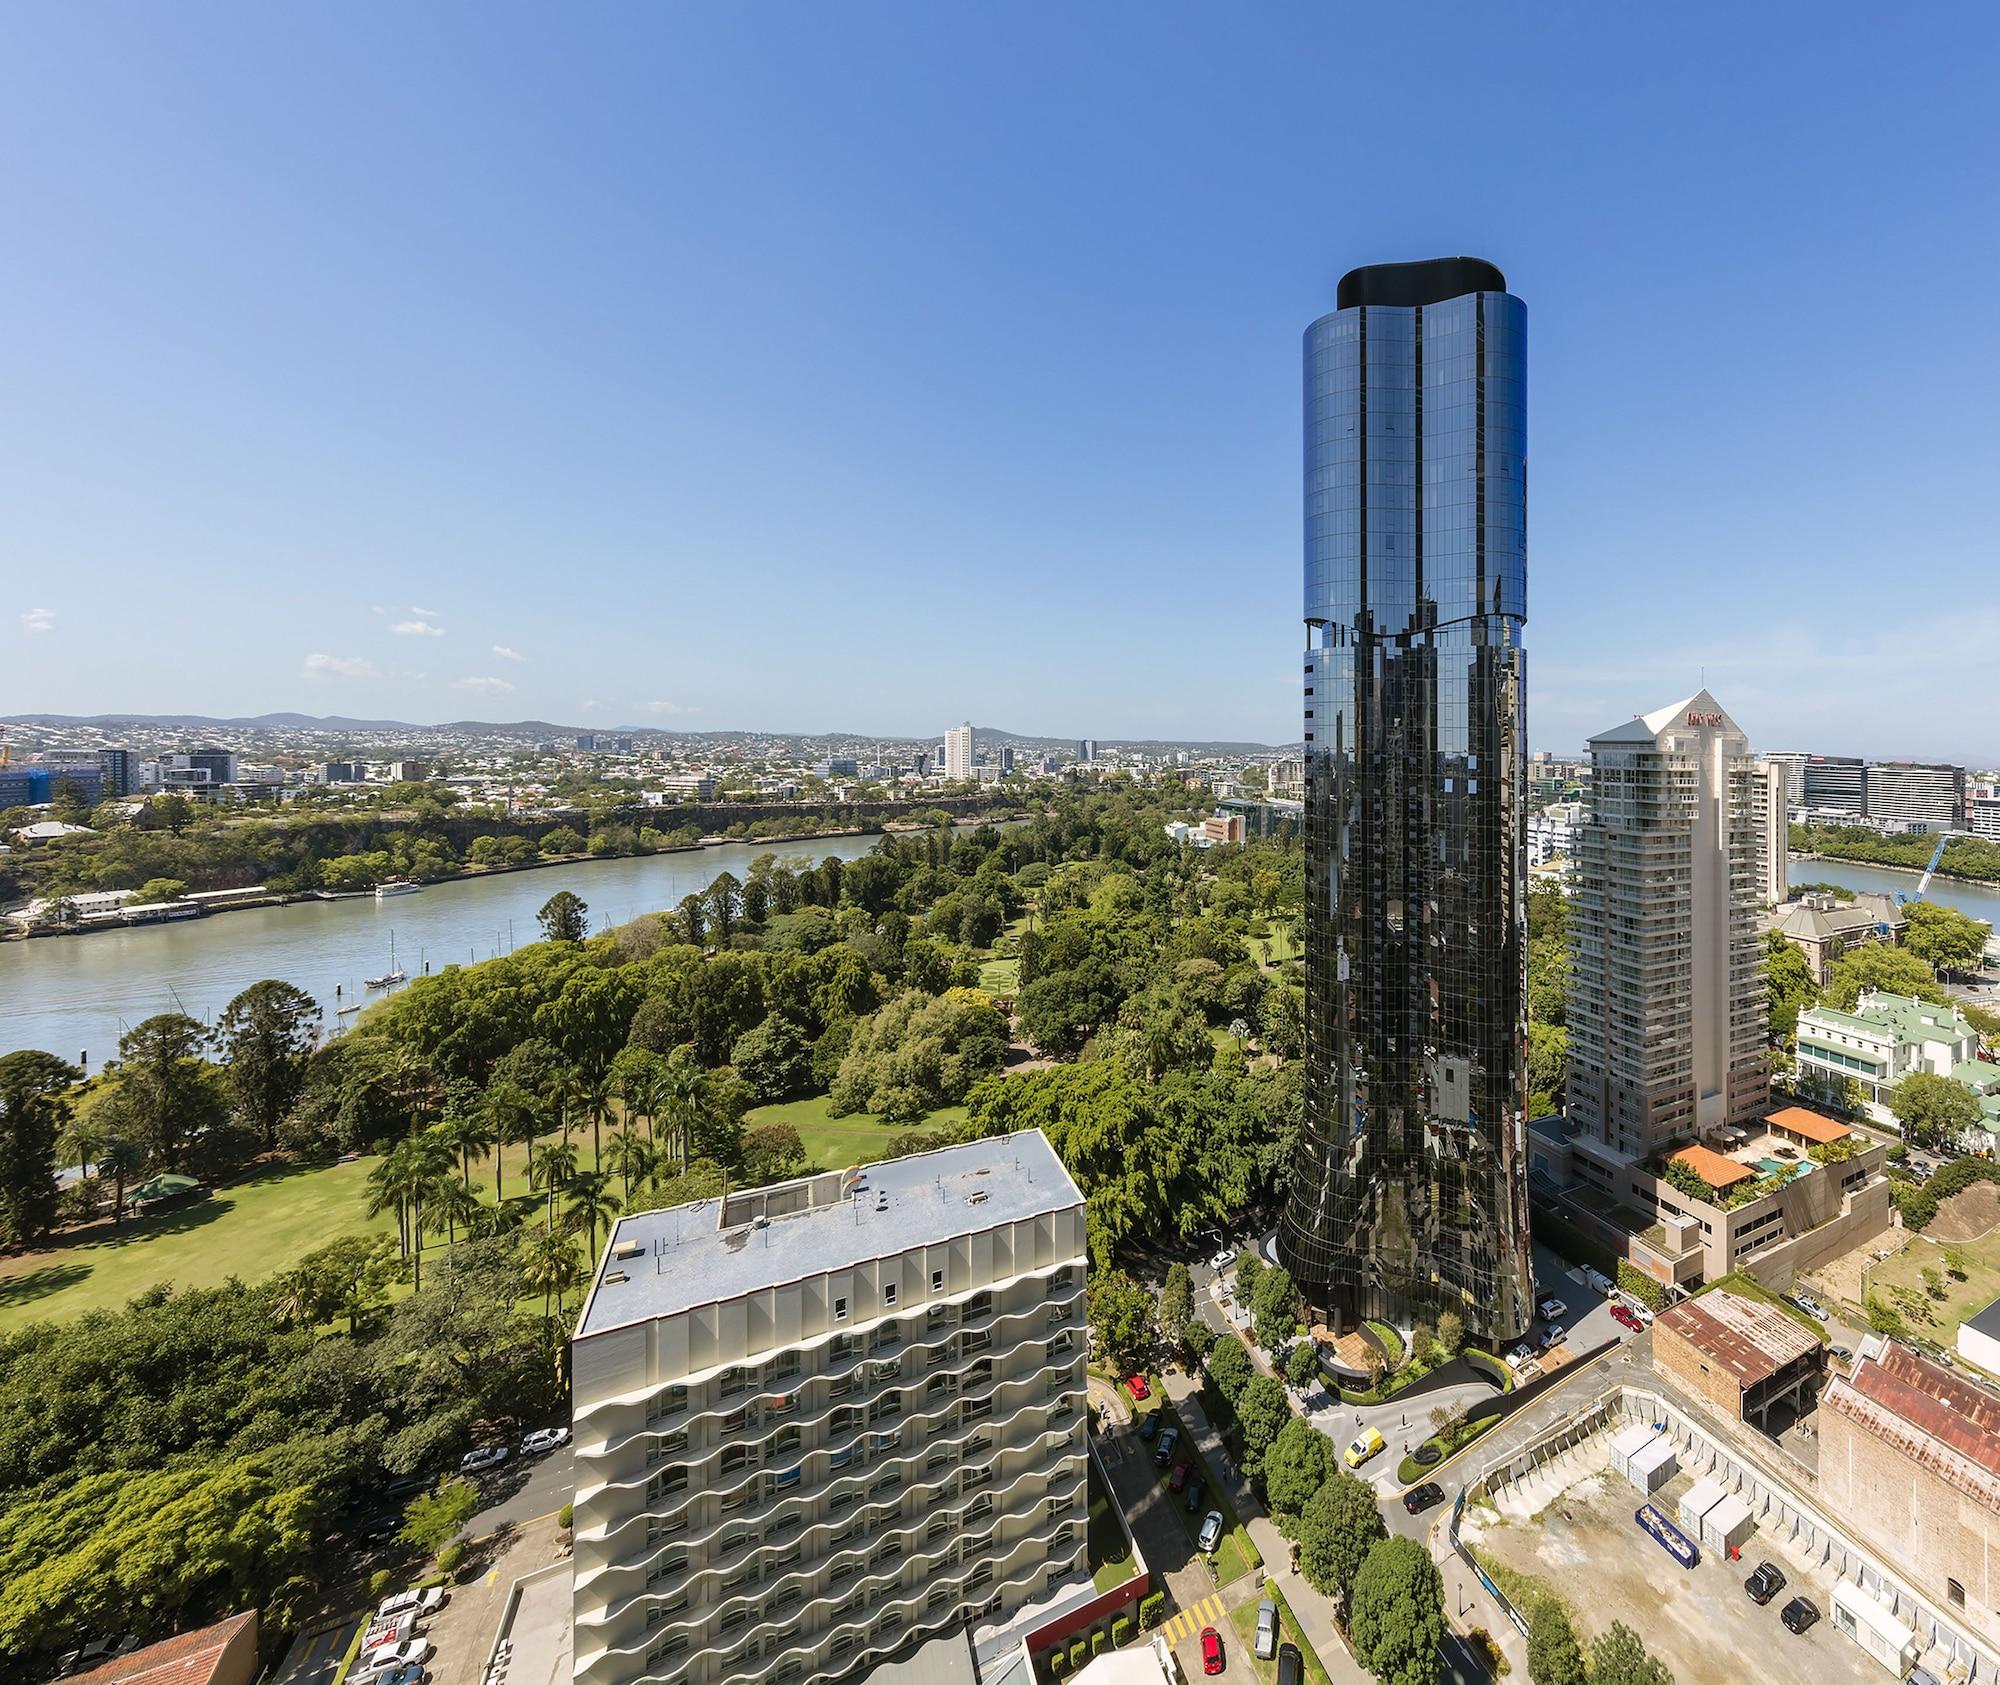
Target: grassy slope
[[250, 1231], [832, 1143]]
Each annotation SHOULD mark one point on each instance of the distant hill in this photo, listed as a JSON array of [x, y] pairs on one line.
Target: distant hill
[[987, 735]]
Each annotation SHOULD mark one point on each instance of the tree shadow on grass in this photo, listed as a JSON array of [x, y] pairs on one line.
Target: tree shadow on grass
[[25, 1289], [196, 1216]]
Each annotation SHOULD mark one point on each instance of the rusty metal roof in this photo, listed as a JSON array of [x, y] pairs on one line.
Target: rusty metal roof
[[1935, 1402], [1751, 1340]]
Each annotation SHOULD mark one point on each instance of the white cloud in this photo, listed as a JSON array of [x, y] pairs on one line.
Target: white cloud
[[427, 613], [669, 708], [417, 629], [507, 654], [476, 683], [39, 620], [339, 667]]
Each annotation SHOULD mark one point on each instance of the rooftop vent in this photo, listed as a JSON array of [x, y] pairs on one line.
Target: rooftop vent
[[882, 1200], [979, 1198], [628, 1249], [612, 1277]]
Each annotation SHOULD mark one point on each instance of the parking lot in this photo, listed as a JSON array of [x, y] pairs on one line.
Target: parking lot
[[1586, 1547]]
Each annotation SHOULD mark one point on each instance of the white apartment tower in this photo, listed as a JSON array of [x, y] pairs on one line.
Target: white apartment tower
[[1666, 997], [820, 1421], [958, 751], [1779, 775]]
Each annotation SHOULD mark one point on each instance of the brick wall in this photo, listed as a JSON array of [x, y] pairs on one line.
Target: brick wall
[[1691, 1369], [1922, 1525]]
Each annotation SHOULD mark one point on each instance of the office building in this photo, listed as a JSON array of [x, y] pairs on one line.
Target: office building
[[1777, 774], [1982, 811], [1408, 1194], [587, 741], [1666, 995], [839, 766], [219, 764], [1916, 795], [1086, 750], [119, 770], [958, 752], [819, 1420], [1835, 784], [407, 772], [695, 786], [1006, 755], [921, 765], [344, 772]]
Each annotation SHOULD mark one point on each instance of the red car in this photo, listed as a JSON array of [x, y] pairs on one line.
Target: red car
[[1179, 1477], [1627, 1317], [1136, 1386], [1211, 1650]]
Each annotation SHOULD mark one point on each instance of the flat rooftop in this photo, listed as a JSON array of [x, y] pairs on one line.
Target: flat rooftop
[[660, 1263], [1750, 1339]]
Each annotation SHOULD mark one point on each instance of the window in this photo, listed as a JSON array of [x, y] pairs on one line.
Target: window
[[1956, 1592], [840, 1309], [937, 1281], [889, 1293]]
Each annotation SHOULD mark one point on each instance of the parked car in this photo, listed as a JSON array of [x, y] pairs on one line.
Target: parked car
[[1291, 1665], [486, 1457], [420, 1603], [1163, 1453], [376, 1664], [1764, 1583], [1553, 1310], [1149, 1424], [1222, 1260], [1211, 1531], [414, 1674], [1841, 1352], [1211, 1650], [381, 1527], [544, 1439], [1420, 1498], [388, 1629], [1551, 1338], [1520, 1355], [1267, 1630], [1137, 1387], [1179, 1477], [1799, 1614], [1197, 1490], [1366, 1444]]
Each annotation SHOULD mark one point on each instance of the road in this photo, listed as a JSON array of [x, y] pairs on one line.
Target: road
[[522, 1490]]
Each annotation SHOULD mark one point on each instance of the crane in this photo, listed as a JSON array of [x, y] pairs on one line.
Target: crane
[[1930, 871]]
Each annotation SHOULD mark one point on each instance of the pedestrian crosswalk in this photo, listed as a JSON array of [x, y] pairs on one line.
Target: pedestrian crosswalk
[[1185, 1623]]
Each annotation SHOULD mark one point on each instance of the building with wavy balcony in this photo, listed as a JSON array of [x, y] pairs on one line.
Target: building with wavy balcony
[[822, 1422]]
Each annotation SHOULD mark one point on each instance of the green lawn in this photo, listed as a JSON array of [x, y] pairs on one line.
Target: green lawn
[[1244, 1619], [1001, 976], [1899, 1283], [833, 1143], [1275, 949], [251, 1231]]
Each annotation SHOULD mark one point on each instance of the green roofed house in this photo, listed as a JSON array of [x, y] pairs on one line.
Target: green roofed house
[[1883, 1040]]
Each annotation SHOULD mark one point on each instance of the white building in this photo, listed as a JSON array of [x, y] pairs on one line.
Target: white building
[[958, 752], [1551, 834], [817, 1420], [1883, 1040], [1916, 795], [1666, 999], [1779, 774]]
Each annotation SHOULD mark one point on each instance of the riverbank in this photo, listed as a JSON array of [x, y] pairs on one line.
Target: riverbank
[[1940, 875], [467, 874]]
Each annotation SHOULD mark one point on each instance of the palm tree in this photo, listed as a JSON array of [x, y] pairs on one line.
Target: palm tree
[[573, 1091], [599, 1103], [549, 1265], [551, 1166], [630, 1156], [591, 1202], [450, 1205], [122, 1159], [466, 1130], [685, 1090]]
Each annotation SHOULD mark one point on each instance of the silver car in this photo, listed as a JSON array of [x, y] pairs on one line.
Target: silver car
[[1267, 1630], [1211, 1531]]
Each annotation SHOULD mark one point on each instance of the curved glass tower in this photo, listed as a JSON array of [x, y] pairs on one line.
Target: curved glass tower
[[1409, 1195]]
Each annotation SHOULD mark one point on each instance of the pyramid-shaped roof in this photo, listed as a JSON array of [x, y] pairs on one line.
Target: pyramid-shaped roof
[[1647, 728]]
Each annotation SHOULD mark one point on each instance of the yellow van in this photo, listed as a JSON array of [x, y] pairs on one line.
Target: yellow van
[[1366, 1446]]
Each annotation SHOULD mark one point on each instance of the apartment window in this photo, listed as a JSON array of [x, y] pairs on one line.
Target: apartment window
[[937, 1281], [889, 1293], [840, 1308], [1956, 1593]]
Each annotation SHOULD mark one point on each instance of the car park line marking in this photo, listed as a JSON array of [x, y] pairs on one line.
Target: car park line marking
[[1185, 1623]]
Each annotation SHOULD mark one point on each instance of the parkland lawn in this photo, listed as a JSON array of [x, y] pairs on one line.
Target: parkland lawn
[[261, 1226], [251, 1231]]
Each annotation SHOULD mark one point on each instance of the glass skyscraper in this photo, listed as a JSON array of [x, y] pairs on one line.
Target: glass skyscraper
[[1409, 1195]]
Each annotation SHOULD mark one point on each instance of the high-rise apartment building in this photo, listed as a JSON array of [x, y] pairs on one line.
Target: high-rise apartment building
[[119, 769], [1666, 993], [1835, 784], [1917, 794], [1409, 1193], [819, 1420], [1778, 772], [1086, 749], [958, 752]]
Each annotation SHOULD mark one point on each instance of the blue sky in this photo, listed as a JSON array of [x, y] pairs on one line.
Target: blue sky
[[870, 367]]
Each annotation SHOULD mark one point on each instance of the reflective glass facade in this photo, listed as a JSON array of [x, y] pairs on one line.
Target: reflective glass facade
[[1409, 1194]]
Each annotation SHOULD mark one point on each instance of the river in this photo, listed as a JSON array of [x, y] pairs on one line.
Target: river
[[1971, 899], [74, 995]]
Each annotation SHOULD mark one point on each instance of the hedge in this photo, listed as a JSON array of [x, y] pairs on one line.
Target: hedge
[[1097, 1642], [1151, 1607], [1121, 1630]]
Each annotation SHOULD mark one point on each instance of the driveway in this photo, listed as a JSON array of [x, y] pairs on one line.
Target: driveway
[[315, 1653]]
